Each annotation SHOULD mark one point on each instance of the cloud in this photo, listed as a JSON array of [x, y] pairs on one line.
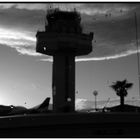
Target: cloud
[[30, 52], [124, 54], [40, 6], [81, 104], [6, 6], [104, 8], [29, 6], [127, 53], [89, 9], [22, 42]]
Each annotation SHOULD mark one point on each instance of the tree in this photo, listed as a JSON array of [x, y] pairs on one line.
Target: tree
[[121, 88]]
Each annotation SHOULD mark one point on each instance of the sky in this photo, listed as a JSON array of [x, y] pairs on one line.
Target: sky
[[26, 76]]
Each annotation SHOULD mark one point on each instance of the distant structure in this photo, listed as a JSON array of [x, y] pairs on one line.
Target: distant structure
[[95, 93], [63, 39]]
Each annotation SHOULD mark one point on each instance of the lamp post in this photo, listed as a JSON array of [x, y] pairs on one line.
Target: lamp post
[[95, 93]]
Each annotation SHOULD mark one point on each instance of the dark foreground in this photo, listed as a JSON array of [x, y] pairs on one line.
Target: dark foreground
[[71, 125]]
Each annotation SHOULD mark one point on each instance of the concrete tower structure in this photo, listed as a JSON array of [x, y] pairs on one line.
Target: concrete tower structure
[[63, 39]]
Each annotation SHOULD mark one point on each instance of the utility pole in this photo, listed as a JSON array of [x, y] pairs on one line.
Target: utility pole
[[137, 45]]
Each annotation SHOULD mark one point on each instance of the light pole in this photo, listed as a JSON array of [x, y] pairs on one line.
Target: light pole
[[95, 93]]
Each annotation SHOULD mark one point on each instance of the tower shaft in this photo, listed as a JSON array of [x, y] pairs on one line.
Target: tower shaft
[[63, 82]]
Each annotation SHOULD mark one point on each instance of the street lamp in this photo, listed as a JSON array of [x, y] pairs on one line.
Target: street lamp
[[95, 93]]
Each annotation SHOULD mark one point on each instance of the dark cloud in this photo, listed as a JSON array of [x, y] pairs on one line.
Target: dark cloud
[[113, 35], [22, 18]]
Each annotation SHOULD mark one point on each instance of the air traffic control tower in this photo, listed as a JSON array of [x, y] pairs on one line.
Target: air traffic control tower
[[63, 39]]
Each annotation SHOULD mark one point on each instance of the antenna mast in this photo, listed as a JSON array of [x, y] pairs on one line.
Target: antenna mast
[[137, 45]]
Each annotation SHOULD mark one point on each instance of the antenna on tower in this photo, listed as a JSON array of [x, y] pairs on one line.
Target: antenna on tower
[[45, 17], [137, 45], [49, 7]]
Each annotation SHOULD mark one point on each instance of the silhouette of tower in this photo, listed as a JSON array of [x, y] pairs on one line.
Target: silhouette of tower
[[63, 39]]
